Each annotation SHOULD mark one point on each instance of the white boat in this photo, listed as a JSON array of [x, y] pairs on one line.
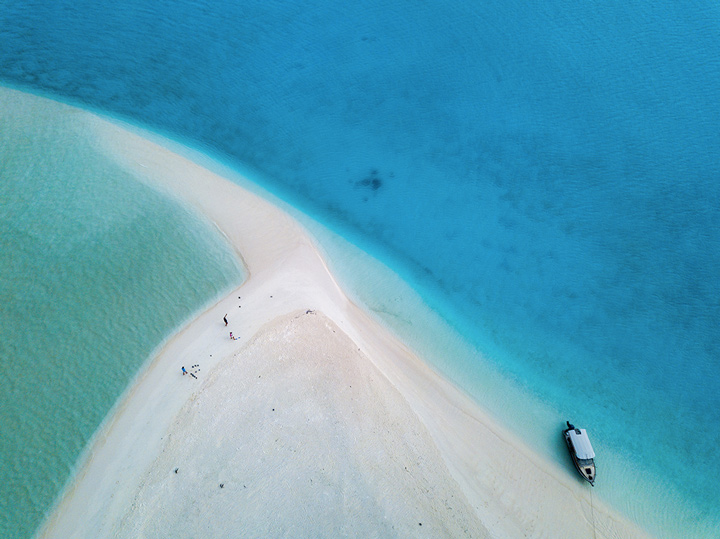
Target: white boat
[[581, 452]]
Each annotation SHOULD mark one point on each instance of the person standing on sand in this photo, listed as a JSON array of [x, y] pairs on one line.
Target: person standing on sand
[[184, 371], [225, 319], [231, 336]]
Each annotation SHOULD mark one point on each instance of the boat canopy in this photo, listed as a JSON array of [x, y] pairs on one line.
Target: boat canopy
[[581, 443]]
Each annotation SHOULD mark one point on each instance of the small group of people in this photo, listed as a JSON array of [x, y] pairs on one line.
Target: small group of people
[[196, 369], [233, 337]]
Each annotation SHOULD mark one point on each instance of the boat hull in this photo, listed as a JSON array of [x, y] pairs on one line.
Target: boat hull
[[584, 466]]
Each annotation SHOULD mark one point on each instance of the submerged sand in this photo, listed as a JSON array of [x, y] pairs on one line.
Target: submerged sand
[[317, 422]]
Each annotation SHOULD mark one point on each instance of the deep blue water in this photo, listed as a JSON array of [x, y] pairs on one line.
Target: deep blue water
[[546, 175]]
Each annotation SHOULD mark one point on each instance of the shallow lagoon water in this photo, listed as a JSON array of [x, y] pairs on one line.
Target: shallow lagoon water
[[545, 177], [97, 271]]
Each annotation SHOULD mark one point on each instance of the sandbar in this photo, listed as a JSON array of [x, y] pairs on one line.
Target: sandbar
[[315, 422]]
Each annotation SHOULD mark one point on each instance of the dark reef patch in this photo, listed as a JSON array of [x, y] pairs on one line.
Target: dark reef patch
[[373, 181]]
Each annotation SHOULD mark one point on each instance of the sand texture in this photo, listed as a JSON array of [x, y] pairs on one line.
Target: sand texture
[[339, 454]]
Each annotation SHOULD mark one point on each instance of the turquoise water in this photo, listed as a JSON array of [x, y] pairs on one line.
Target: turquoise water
[[97, 270], [544, 175]]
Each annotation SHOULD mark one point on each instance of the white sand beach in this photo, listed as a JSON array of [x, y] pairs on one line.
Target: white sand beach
[[316, 422]]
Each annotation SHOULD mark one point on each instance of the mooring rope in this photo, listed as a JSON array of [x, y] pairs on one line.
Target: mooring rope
[[592, 513]]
